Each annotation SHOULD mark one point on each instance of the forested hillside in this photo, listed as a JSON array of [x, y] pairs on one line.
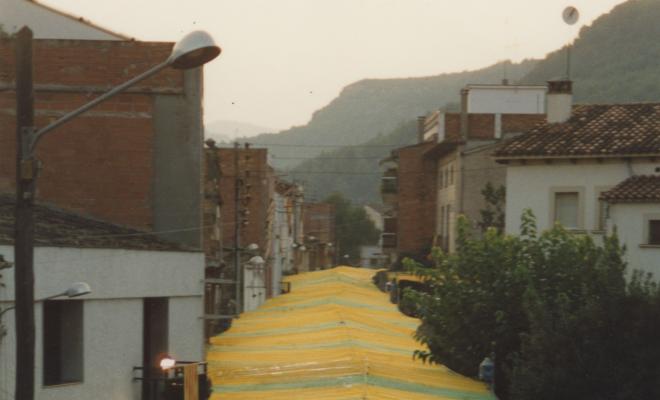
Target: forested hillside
[[353, 171], [616, 59], [372, 107]]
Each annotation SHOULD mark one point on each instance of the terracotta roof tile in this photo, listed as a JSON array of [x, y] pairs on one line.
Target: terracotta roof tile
[[592, 131], [59, 228], [636, 189]]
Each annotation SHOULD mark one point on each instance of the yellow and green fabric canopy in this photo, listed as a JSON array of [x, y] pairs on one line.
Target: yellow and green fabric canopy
[[334, 336]]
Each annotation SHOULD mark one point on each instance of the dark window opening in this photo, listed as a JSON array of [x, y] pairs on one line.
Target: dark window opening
[[654, 231], [155, 344], [63, 342]]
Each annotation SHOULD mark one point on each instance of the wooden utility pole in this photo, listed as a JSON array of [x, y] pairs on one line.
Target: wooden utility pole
[[237, 231], [26, 170]]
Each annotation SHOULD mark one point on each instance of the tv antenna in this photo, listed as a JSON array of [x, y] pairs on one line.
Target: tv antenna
[[571, 15]]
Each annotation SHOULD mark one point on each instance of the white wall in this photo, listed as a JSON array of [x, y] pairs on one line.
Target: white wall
[[47, 24], [530, 186], [496, 99], [630, 220], [112, 314]]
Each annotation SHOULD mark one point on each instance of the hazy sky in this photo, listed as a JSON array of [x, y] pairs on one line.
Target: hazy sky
[[284, 59]]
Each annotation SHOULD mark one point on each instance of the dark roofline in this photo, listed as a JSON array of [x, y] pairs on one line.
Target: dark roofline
[[504, 159], [60, 221], [580, 119], [634, 189], [80, 20]]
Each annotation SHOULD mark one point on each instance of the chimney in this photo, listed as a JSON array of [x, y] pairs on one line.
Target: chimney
[[464, 113], [420, 128], [559, 101]]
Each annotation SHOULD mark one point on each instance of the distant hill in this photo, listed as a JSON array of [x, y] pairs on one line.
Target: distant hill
[[226, 130], [373, 107], [616, 59], [353, 171]]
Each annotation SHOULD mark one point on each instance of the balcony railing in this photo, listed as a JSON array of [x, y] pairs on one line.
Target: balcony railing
[[390, 224], [389, 185], [389, 240]]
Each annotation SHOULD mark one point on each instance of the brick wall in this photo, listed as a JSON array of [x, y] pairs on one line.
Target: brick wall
[[482, 126], [100, 163], [256, 193], [416, 199], [319, 223]]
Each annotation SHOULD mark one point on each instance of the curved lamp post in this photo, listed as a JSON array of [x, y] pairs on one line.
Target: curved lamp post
[[194, 50], [76, 289]]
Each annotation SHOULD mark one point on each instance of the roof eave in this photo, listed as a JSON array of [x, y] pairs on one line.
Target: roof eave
[[504, 159]]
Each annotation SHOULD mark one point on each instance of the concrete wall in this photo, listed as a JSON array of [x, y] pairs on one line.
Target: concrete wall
[[479, 169], [449, 182], [112, 314], [47, 23], [177, 185], [631, 223], [506, 99]]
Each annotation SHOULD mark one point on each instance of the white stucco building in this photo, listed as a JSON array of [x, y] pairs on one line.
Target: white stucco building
[[586, 169], [146, 301]]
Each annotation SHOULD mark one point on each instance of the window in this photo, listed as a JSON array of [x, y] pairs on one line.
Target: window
[[566, 209], [451, 174], [602, 215], [63, 341], [654, 231]]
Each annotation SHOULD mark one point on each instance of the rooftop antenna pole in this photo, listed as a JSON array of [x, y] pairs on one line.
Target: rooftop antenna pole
[[571, 15]]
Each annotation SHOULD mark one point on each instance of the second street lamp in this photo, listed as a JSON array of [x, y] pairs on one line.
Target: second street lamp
[[194, 50]]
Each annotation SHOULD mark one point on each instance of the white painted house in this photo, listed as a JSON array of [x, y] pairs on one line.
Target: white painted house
[[49, 23], [565, 169], [146, 301]]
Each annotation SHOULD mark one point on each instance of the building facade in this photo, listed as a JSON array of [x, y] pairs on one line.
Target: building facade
[[427, 185], [135, 159], [146, 301], [586, 171]]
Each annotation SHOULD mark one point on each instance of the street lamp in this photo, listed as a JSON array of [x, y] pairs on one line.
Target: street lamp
[[194, 50], [76, 289]]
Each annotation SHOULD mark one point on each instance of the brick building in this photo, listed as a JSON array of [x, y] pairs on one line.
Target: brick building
[[133, 160], [239, 217], [319, 240], [428, 184]]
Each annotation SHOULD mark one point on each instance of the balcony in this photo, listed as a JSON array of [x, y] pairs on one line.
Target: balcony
[[389, 188], [390, 225], [389, 241]]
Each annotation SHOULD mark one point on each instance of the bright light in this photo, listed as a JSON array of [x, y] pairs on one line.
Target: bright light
[[167, 363]]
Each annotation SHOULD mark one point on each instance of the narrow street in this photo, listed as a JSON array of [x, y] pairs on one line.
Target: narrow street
[[334, 336]]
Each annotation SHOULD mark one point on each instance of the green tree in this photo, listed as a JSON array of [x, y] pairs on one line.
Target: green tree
[[555, 308], [492, 216], [354, 228]]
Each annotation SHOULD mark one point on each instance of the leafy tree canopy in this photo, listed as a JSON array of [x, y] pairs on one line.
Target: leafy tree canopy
[[555, 309], [354, 228]]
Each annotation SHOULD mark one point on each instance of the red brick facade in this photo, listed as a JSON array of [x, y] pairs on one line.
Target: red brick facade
[[416, 200], [319, 223], [100, 163], [257, 186]]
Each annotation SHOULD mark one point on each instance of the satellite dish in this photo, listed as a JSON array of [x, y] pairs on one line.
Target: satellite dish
[[571, 15]]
